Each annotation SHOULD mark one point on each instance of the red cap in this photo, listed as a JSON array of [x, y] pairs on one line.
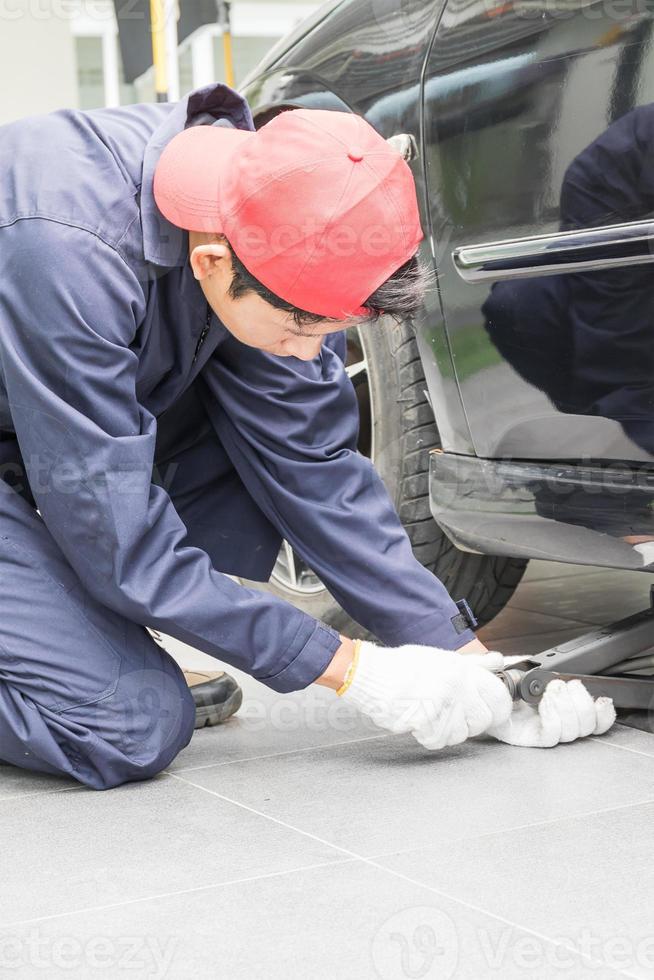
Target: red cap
[[316, 204]]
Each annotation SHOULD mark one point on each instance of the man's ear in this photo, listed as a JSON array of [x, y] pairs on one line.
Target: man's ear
[[206, 259]]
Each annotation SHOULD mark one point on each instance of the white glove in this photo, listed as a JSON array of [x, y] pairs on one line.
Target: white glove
[[566, 712], [440, 696]]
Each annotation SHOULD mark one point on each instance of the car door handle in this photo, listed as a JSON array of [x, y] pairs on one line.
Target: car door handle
[[581, 250]]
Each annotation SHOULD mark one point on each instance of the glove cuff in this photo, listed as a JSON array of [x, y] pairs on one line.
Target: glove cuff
[[372, 678], [349, 673]]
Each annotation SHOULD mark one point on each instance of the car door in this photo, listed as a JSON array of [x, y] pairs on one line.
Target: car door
[[538, 135]]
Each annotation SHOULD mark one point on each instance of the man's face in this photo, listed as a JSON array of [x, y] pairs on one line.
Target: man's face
[[250, 318]]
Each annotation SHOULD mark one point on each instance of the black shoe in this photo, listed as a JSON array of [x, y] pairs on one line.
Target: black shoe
[[217, 696]]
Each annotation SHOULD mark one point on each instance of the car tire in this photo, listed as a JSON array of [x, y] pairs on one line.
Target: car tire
[[400, 430]]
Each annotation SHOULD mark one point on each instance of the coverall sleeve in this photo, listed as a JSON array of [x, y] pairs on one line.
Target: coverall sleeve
[[290, 428], [69, 310]]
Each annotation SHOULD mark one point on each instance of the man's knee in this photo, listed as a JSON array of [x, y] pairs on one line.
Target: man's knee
[[136, 732], [131, 733], [159, 723]]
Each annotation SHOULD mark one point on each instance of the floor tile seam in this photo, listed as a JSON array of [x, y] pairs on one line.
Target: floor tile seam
[[372, 863], [88, 910], [525, 826], [571, 620], [624, 748], [564, 631], [44, 792], [275, 755], [598, 811], [269, 817], [352, 856], [543, 937], [553, 578]]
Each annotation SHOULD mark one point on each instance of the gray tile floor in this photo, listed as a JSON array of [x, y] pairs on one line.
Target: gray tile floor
[[298, 841]]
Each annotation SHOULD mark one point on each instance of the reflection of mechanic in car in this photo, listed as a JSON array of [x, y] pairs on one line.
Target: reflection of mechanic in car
[[587, 339]]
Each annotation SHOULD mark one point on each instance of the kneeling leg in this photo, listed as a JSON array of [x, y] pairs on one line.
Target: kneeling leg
[[83, 691]]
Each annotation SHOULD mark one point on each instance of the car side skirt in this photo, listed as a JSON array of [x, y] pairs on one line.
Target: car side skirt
[[569, 512]]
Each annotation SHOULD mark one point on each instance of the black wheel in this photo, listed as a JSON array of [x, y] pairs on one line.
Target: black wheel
[[397, 430]]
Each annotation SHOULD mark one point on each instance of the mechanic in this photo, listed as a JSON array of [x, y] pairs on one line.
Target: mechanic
[[174, 293]]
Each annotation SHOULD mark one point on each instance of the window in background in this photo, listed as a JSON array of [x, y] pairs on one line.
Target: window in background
[[98, 58], [90, 72], [100, 75], [185, 62], [247, 51]]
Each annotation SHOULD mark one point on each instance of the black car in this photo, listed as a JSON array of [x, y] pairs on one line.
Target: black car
[[515, 417]]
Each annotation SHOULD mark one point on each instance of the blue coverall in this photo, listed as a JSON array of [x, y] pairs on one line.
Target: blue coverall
[[144, 452]]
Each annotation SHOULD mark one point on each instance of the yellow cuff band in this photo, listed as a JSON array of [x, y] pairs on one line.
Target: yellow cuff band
[[349, 673]]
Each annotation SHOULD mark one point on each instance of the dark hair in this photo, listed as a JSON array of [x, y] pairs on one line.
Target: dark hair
[[400, 296]]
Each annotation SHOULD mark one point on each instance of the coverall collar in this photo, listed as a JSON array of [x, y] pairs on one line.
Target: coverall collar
[[163, 243]]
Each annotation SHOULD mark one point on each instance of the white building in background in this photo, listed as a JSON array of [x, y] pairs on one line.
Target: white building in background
[[64, 53]]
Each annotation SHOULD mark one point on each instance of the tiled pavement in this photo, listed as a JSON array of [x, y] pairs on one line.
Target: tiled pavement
[[299, 842]]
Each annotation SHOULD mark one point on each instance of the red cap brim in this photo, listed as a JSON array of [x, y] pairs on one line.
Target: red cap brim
[[189, 175]]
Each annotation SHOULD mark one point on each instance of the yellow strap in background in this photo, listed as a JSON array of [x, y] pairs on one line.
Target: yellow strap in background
[[229, 63], [225, 20], [158, 26]]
